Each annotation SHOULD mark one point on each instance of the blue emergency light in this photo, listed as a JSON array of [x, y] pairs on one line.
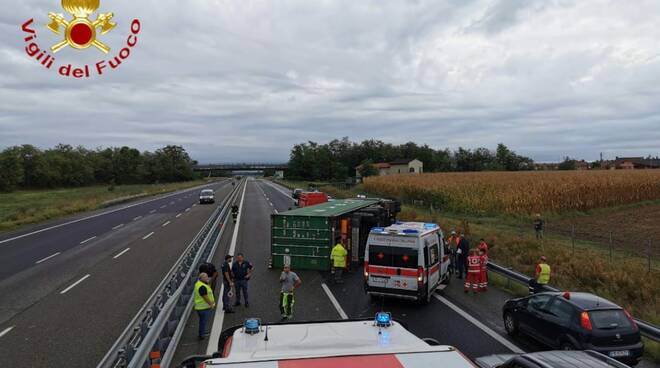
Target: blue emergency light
[[383, 319], [377, 229], [430, 226], [251, 326], [410, 231]]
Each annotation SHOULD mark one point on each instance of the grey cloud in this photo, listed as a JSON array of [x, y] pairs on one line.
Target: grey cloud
[[244, 80]]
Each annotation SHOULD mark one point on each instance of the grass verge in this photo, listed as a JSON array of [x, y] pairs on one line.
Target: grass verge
[[25, 207]]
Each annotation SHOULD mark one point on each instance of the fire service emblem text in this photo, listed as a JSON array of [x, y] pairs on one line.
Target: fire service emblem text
[[79, 33]]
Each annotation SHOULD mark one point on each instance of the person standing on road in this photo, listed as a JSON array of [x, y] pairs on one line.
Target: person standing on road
[[234, 212], [541, 276], [483, 245], [204, 303], [462, 255], [227, 284], [483, 275], [473, 272], [290, 281], [452, 242], [242, 271], [338, 258], [538, 226]]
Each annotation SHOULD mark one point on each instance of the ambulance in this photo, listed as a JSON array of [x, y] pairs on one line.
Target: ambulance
[[380, 342], [408, 260]]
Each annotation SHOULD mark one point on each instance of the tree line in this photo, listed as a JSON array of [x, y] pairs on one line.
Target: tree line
[[337, 159], [28, 167]]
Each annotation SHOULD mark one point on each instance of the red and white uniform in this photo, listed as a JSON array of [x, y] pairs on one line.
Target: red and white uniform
[[483, 275], [473, 273]]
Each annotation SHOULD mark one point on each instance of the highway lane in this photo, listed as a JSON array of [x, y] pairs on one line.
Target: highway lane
[[22, 249], [76, 318]]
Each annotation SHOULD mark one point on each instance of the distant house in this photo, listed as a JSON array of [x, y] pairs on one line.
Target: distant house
[[401, 166], [630, 163], [582, 165]]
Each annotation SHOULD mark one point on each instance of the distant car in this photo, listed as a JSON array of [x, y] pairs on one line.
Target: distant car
[[576, 321], [550, 359], [295, 194], [206, 196]]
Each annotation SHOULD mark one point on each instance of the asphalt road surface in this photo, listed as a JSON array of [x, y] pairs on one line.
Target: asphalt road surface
[[69, 288]]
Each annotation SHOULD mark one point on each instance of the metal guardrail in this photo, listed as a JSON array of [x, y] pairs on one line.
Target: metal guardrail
[[647, 329], [158, 321]]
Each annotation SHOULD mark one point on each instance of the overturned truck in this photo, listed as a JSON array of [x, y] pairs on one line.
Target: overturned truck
[[304, 237]]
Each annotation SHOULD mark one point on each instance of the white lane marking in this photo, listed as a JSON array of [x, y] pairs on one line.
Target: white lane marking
[[86, 240], [163, 206], [334, 301], [137, 218], [120, 253], [152, 211], [117, 227], [219, 317], [147, 236], [177, 215], [47, 258], [187, 209], [74, 284], [171, 203], [482, 326], [6, 331], [165, 224], [270, 203], [194, 204], [276, 211], [98, 214], [278, 188]]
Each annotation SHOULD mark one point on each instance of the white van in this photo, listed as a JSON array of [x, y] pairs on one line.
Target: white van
[[406, 260]]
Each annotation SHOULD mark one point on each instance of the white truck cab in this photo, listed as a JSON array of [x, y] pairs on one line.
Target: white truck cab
[[380, 342], [407, 260]]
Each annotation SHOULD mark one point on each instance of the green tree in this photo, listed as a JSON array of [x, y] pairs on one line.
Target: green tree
[[367, 169], [11, 169], [567, 164]]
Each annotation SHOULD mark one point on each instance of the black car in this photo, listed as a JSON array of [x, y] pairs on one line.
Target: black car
[[576, 321], [550, 359], [295, 194]]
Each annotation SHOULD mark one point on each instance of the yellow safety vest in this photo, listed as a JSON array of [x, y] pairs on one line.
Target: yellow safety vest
[[200, 303], [544, 275], [338, 256]]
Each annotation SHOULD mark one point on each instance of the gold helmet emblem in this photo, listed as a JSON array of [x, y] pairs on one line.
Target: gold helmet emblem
[[80, 32]]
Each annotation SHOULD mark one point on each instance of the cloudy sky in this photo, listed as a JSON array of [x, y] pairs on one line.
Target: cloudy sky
[[244, 80]]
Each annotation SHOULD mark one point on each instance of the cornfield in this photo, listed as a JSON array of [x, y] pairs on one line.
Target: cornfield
[[521, 193]]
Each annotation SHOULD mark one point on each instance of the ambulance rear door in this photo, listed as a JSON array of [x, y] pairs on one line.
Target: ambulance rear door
[[393, 261]]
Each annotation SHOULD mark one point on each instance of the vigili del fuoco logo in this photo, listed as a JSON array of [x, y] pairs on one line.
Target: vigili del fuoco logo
[[79, 33]]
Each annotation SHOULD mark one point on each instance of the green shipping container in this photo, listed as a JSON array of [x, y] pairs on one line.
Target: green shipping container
[[305, 236]]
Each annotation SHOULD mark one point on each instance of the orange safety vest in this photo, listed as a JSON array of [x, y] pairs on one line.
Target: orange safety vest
[[474, 264]]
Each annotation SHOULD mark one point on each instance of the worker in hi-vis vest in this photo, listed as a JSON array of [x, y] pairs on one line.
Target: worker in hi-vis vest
[[338, 259], [541, 276], [204, 303]]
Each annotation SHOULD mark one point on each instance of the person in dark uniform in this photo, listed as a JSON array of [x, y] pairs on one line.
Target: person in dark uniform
[[228, 285], [462, 255], [234, 212], [241, 271], [538, 226]]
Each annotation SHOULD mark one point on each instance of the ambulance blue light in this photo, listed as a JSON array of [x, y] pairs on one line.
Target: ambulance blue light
[[251, 326], [383, 319], [410, 231], [430, 226], [377, 229]]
